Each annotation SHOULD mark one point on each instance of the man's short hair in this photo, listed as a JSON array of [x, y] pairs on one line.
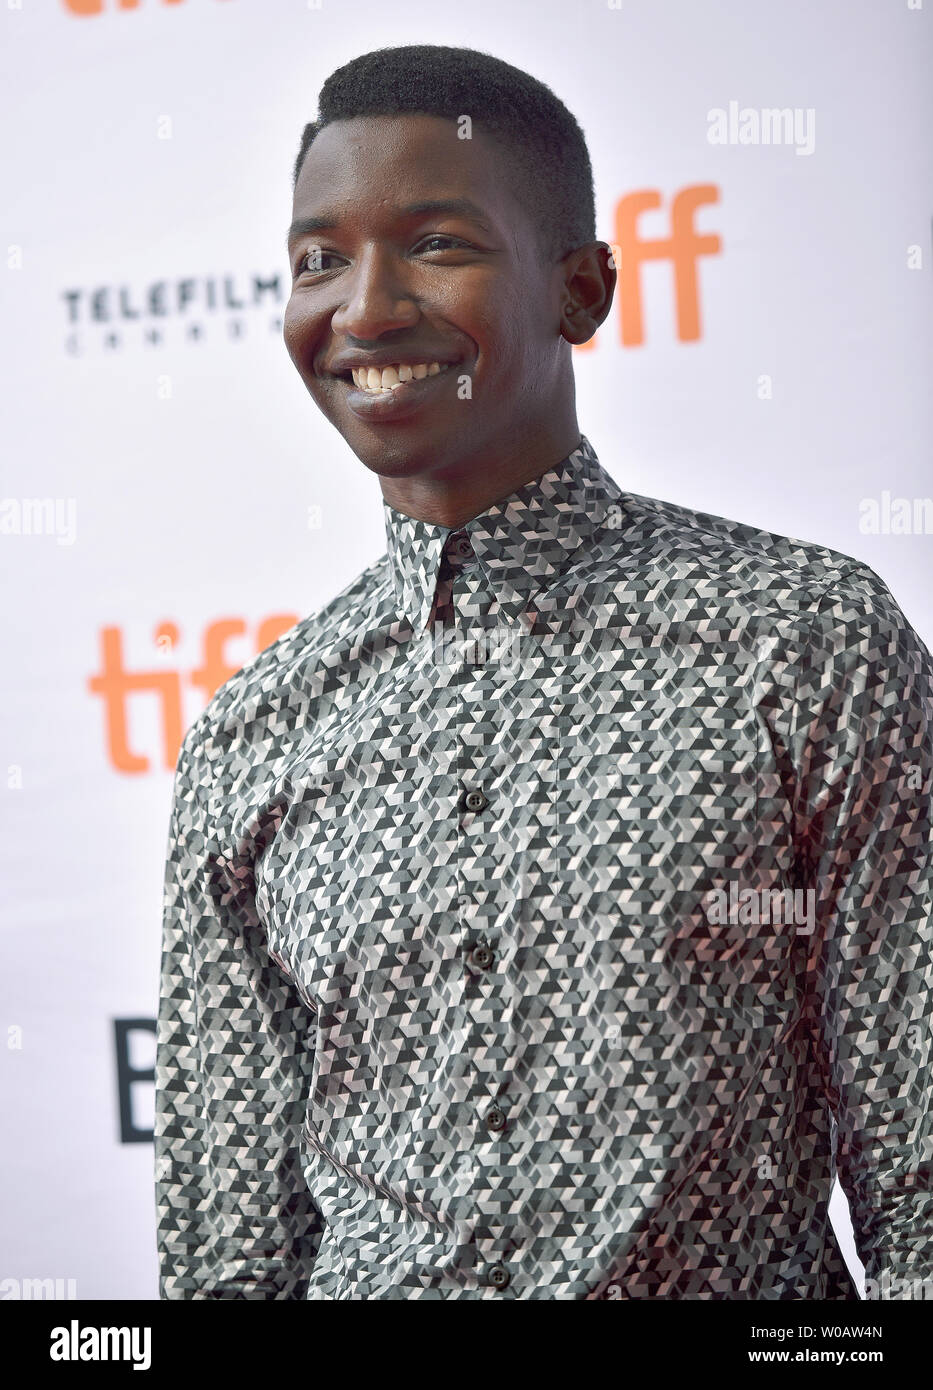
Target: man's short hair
[[542, 141]]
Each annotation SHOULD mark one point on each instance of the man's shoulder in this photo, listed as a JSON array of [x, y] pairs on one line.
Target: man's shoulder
[[749, 562], [280, 679]]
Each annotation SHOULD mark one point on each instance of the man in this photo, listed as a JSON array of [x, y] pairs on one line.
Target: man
[[549, 916]]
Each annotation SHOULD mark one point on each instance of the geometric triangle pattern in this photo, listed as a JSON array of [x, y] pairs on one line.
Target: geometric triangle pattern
[[549, 917]]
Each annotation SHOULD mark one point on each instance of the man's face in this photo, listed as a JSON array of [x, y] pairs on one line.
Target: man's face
[[464, 288]]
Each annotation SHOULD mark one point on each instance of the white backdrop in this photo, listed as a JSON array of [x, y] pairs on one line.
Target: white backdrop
[[162, 462]]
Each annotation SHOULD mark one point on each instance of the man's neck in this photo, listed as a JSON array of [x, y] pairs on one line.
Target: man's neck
[[475, 484]]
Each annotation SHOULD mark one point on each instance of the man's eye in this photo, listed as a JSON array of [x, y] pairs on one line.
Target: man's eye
[[314, 260], [439, 236]]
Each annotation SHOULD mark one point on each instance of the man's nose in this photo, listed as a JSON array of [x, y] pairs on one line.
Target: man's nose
[[377, 298]]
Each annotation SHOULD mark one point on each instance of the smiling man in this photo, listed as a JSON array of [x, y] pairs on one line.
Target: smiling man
[[434, 327], [549, 916]]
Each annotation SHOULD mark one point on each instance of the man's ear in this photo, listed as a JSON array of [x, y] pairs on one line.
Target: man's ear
[[589, 285]]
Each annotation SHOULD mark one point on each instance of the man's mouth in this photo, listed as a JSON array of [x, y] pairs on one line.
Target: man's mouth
[[393, 392], [374, 380]]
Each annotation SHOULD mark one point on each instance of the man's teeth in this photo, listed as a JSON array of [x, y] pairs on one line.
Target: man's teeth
[[381, 379]]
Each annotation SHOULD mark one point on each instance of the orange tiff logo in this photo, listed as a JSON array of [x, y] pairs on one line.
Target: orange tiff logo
[[683, 247], [85, 7], [114, 684]]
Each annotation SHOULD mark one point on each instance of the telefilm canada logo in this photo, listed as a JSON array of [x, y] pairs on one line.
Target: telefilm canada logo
[[190, 308]]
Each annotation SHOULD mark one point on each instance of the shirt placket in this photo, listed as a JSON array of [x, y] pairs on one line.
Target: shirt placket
[[464, 614]]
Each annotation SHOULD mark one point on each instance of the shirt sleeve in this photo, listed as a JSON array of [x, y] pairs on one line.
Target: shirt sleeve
[[234, 1049], [865, 707]]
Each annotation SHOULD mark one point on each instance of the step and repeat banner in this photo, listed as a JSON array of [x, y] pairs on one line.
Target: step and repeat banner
[[172, 501]]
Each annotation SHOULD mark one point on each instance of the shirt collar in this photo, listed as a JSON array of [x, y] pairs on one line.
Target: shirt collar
[[523, 542]]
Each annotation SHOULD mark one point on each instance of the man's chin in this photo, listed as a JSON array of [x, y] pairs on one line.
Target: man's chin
[[394, 452]]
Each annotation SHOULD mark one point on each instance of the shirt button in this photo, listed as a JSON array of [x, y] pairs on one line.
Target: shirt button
[[495, 1119], [498, 1276], [474, 801], [482, 957], [460, 546]]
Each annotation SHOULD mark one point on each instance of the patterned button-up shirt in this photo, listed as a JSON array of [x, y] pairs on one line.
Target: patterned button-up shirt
[[549, 917]]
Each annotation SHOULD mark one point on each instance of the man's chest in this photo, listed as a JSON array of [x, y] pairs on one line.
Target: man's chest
[[570, 809]]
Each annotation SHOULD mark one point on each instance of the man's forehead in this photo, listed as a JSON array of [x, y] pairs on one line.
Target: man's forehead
[[425, 152], [391, 211], [386, 172], [399, 128]]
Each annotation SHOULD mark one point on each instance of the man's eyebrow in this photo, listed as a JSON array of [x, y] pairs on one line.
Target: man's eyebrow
[[454, 207]]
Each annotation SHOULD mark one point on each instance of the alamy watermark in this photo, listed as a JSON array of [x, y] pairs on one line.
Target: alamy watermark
[[747, 125], [43, 1289], [77, 1343], [890, 1286], [506, 647], [895, 516], [40, 516], [795, 907]]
